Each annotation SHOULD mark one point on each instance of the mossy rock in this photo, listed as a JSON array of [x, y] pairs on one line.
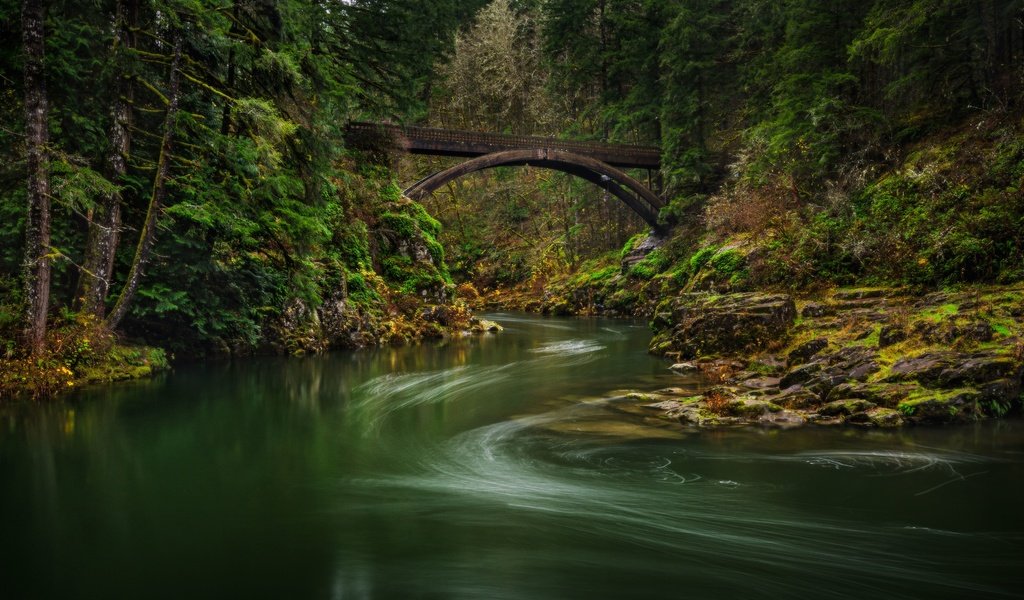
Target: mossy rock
[[484, 326], [724, 268], [673, 408], [706, 418], [705, 324], [864, 293], [885, 417], [800, 374], [796, 397], [845, 407], [925, 368], [560, 307], [750, 408], [767, 365], [661, 344], [979, 369], [883, 394], [431, 330], [123, 363], [647, 397], [803, 352], [943, 406]]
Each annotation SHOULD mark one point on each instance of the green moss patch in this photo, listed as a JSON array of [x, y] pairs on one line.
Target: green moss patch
[[939, 313]]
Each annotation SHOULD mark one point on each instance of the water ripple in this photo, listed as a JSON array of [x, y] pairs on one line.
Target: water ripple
[[569, 347], [593, 490], [393, 392]]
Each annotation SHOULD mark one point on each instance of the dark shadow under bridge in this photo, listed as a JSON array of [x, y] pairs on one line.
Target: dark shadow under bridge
[[600, 163]]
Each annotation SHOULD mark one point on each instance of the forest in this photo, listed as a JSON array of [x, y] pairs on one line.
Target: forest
[[177, 181]]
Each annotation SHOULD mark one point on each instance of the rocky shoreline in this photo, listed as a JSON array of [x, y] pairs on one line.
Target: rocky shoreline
[[866, 357]]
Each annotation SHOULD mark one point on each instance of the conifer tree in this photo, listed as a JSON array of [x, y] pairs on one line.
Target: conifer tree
[[105, 225], [158, 195], [37, 229]]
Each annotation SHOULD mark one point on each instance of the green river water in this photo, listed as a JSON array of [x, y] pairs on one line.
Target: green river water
[[490, 467]]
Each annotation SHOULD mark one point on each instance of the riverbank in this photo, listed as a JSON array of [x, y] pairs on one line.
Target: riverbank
[[869, 357], [79, 352], [83, 351]]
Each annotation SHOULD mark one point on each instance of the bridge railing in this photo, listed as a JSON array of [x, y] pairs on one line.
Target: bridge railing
[[448, 142]]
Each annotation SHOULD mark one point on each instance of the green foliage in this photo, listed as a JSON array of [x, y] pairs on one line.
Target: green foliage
[[824, 108], [513, 268], [693, 48], [731, 265], [701, 258], [998, 409], [652, 264], [907, 409], [402, 225], [631, 244], [360, 291], [594, 272], [262, 209], [10, 312], [727, 262], [353, 244], [427, 224], [79, 350], [75, 185], [411, 277], [411, 257], [791, 88], [680, 207], [903, 36]]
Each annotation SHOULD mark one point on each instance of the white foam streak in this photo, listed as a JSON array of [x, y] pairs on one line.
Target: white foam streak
[[387, 394], [569, 347], [599, 490]]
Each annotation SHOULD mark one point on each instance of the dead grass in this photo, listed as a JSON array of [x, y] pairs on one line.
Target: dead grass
[[716, 402], [744, 209], [715, 372]]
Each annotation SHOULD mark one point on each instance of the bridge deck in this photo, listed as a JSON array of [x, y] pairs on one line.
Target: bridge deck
[[447, 142]]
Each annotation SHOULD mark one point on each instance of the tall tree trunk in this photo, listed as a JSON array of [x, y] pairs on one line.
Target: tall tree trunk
[[147, 236], [603, 49], [225, 120], [37, 230], [104, 228]]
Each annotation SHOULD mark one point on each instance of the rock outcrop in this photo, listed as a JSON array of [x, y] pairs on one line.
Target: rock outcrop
[[870, 358], [699, 324]]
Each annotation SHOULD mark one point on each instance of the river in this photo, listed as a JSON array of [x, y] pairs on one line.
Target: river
[[500, 466]]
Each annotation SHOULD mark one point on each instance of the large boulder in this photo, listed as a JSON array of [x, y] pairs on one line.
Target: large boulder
[[699, 324]]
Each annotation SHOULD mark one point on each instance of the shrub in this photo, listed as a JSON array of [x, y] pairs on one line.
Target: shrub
[[716, 402]]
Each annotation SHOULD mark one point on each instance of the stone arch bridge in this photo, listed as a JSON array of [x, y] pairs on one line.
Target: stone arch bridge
[[599, 163]]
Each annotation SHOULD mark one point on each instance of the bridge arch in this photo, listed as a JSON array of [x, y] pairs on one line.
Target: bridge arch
[[633, 193]]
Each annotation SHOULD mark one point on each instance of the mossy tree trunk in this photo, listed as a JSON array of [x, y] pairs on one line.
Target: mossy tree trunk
[[225, 121], [37, 231], [105, 224], [147, 236]]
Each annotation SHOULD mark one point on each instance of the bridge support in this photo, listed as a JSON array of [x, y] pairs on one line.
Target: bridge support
[[633, 193]]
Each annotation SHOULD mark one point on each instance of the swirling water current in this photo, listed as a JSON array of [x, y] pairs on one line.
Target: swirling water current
[[503, 466]]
